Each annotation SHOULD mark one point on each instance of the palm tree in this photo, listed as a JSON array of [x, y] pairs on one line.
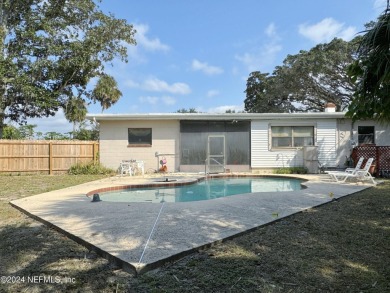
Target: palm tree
[[75, 111], [371, 72], [106, 91]]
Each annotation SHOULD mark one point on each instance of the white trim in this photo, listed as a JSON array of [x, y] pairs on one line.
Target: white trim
[[210, 116]]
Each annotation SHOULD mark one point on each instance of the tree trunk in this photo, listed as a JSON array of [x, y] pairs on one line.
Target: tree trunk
[[1, 123]]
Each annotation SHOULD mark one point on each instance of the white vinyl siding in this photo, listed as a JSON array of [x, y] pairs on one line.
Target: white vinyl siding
[[326, 142], [263, 156]]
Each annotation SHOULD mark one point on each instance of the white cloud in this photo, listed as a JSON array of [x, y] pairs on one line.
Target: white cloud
[[212, 93], [222, 109], [131, 83], [149, 100], [144, 41], [157, 85], [260, 59], [263, 56], [205, 68], [326, 30], [153, 100], [56, 123], [134, 55], [271, 30], [168, 100]]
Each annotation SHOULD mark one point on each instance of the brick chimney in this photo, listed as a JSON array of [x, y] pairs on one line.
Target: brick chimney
[[330, 107]]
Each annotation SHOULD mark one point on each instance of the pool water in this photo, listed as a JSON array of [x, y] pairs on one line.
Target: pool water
[[204, 190]]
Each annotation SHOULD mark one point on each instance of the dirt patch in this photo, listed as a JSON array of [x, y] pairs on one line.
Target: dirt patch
[[342, 246]]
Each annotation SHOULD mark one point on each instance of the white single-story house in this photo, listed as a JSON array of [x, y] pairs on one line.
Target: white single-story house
[[195, 142]]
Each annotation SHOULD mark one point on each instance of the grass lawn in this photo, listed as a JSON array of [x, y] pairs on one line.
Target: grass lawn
[[343, 246]]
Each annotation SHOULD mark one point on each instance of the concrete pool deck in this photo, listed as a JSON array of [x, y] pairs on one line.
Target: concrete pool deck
[[142, 236]]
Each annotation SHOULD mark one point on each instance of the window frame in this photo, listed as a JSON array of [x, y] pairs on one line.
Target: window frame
[[292, 147], [143, 143], [373, 135]]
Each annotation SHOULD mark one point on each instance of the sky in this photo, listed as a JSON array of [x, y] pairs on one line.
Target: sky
[[199, 53]]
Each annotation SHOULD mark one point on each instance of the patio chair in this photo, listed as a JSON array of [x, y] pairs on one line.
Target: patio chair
[[362, 174], [125, 167], [350, 170], [140, 166]]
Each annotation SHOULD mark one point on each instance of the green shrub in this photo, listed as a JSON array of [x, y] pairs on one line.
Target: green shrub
[[291, 170], [90, 168]]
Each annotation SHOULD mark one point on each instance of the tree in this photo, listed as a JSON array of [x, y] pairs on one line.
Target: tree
[[11, 132], [86, 133], [190, 110], [50, 50], [371, 72], [52, 135], [306, 81], [263, 95], [23, 132], [27, 131], [75, 111], [106, 92]]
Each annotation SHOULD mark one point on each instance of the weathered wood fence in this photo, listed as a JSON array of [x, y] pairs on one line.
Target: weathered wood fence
[[44, 156]]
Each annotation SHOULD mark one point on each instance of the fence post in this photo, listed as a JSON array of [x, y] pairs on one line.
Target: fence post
[[50, 158], [95, 151]]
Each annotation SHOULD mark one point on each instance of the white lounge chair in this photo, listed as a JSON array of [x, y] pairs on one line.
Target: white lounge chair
[[350, 170], [362, 174]]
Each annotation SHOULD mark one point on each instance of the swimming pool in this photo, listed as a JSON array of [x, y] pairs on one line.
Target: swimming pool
[[203, 190]]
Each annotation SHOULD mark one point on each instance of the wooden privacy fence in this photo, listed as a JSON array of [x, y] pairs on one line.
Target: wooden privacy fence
[[44, 156], [381, 155]]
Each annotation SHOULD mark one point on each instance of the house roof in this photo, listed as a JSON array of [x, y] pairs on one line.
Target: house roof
[[213, 116]]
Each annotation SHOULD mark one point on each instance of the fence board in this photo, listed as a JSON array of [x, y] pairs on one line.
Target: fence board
[[43, 156]]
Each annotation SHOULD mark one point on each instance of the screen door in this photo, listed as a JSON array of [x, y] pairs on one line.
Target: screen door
[[216, 153]]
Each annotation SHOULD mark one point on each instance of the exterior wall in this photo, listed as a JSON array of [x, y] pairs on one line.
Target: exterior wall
[[344, 143], [333, 137], [348, 137], [382, 132], [326, 140], [261, 154], [263, 157], [114, 143]]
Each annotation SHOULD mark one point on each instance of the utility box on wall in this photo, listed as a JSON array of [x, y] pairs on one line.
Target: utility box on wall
[[310, 159]]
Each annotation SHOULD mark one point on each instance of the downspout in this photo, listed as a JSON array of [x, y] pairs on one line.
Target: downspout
[[352, 143]]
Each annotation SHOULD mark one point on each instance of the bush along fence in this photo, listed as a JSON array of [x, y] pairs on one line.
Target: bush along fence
[[45, 156], [381, 155]]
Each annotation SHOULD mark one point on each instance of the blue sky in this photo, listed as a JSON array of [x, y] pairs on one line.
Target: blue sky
[[198, 53]]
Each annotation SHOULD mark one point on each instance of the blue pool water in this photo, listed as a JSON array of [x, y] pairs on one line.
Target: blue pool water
[[204, 190]]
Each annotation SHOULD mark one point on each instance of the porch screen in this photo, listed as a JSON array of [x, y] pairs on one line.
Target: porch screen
[[194, 140]]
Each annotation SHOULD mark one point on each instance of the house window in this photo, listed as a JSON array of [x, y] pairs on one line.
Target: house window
[[366, 134], [292, 136], [140, 136]]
